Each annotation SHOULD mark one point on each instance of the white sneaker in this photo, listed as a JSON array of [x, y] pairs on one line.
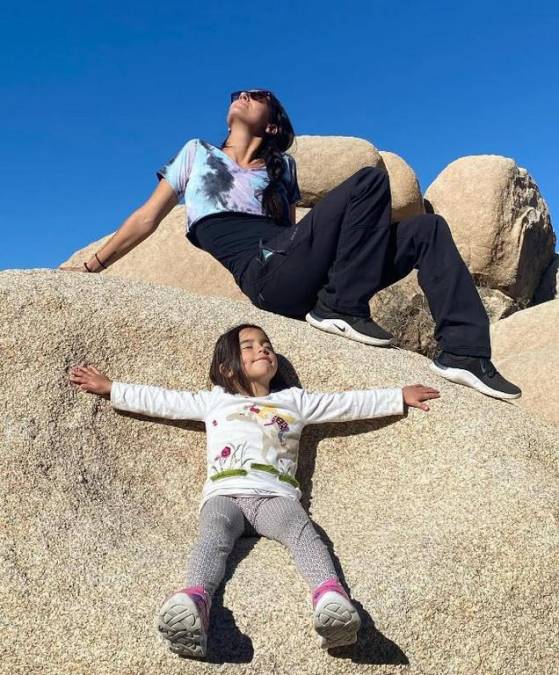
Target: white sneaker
[[335, 618], [183, 622]]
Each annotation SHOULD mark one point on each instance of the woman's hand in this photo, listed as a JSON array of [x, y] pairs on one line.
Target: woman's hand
[[91, 380], [138, 226], [415, 394]]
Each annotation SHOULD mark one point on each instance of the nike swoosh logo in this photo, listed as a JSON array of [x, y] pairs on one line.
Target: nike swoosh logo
[[339, 328]]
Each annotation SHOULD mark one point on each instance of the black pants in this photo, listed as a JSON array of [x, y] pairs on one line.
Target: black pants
[[346, 249]]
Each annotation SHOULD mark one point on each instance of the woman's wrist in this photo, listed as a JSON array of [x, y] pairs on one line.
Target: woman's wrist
[[95, 264]]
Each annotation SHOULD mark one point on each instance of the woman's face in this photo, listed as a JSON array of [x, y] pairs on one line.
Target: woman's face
[[251, 113]]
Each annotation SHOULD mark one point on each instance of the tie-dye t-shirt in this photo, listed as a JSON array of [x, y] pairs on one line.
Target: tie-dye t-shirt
[[210, 182]]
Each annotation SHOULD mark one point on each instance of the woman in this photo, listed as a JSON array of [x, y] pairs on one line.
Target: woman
[[240, 200]]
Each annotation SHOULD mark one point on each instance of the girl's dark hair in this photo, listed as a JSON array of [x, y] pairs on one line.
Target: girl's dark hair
[[227, 353], [271, 152]]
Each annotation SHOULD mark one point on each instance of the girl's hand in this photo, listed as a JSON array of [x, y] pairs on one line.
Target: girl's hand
[[91, 380], [415, 394]]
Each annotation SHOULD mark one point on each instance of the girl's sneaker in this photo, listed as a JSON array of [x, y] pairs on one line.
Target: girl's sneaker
[[184, 619], [335, 619]]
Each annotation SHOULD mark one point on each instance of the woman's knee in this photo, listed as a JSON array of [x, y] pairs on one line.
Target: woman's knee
[[427, 225], [371, 177]]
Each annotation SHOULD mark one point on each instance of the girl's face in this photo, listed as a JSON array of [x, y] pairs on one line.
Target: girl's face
[[259, 360], [253, 114]]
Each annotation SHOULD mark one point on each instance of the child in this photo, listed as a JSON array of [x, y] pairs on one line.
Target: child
[[253, 428]]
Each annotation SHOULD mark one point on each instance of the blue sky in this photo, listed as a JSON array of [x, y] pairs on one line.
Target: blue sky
[[96, 96]]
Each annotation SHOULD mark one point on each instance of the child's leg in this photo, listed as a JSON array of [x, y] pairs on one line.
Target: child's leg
[[221, 524], [335, 618], [284, 520], [184, 615]]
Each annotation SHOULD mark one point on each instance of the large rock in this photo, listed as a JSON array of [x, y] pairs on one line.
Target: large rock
[[445, 523], [526, 346], [403, 309], [404, 187], [323, 162], [499, 220]]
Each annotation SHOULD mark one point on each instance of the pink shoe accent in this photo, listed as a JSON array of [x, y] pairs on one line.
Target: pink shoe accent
[[202, 599], [331, 584]]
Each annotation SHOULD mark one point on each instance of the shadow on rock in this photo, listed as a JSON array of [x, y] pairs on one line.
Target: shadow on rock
[[226, 643], [372, 646]]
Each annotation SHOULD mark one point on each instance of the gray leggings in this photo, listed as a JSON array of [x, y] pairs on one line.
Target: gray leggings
[[224, 519]]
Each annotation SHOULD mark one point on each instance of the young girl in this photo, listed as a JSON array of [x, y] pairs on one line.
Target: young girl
[[240, 198], [253, 426]]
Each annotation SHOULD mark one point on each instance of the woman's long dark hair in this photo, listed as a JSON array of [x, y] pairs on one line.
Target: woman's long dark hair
[[271, 152], [227, 354]]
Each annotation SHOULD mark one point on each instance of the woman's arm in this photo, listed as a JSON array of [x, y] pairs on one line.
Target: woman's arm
[[137, 227]]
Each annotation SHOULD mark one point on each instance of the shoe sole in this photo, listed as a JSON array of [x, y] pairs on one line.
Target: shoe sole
[[336, 623], [180, 625], [461, 376], [341, 327]]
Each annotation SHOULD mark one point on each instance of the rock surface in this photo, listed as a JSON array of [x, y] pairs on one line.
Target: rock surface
[[499, 220], [323, 162], [445, 523], [404, 187], [526, 347]]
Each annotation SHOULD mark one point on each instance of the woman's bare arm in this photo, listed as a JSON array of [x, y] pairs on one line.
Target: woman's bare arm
[[137, 227]]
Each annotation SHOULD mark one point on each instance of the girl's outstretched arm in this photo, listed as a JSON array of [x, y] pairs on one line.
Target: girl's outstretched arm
[[344, 406], [361, 404], [143, 399]]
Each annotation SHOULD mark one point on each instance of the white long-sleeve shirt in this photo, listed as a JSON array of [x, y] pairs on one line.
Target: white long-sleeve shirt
[[253, 442]]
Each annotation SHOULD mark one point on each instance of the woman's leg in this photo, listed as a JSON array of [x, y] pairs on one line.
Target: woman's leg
[[425, 243], [221, 524], [336, 252], [346, 249]]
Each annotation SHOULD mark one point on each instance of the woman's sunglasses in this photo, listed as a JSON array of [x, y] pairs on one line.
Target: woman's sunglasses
[[254, 94]]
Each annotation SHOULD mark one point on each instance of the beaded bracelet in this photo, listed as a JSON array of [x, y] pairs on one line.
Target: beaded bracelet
[[97, 258]]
